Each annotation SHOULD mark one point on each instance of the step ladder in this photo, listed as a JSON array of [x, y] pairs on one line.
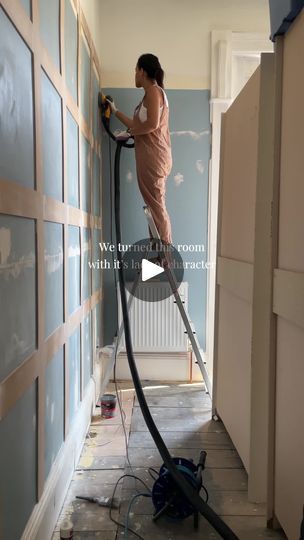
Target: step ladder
[[189, 328], [190, 331]]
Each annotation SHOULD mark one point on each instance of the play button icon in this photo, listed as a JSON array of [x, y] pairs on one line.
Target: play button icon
[[151, 279], [149, 270]]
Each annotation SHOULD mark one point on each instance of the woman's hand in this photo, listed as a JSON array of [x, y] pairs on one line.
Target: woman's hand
[[112, 106]]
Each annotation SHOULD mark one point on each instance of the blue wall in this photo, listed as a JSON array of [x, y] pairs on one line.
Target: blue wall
[[18, 457], [26, 269], [187, 193], [54, 409]]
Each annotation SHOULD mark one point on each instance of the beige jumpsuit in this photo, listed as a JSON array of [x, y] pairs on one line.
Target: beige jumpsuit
[[153, 165]]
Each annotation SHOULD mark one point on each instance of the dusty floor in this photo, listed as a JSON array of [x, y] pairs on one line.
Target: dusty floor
[[183, 416]]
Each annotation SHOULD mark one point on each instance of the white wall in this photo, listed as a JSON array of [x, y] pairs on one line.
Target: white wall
[[92, 10], [178, 31]]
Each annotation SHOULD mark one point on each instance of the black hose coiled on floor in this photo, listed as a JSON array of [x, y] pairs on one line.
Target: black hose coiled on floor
[[190, 493]]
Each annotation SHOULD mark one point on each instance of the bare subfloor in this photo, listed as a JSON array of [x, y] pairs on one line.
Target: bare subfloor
[[183, 416]]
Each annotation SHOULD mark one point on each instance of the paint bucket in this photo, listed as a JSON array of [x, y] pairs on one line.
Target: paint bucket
[[108, 405], [66, 530]]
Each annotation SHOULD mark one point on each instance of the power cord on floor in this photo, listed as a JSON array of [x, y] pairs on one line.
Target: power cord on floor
[[132, 500], [115, 488], [207, 494], [153, 473]]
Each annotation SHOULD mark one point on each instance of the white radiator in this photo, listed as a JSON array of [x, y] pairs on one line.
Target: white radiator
[[156, 326]]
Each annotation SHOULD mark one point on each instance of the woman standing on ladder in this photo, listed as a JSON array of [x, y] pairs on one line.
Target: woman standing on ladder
[[150, 129]]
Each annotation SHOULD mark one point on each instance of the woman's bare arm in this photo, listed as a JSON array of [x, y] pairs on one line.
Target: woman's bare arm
[[126, 120], [153, 104]]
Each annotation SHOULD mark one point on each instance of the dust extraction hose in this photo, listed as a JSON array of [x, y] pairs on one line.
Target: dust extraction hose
[[191, 494]]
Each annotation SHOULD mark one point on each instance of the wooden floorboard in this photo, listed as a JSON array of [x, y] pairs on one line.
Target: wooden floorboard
[[179, 439], [183, 415], [230, 503], [245, 527], [215, 479], [178, 419], [216, 458], [91, 535]]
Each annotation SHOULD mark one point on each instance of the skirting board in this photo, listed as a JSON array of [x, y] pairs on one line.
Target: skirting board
[[45, 514], [159, 367]]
